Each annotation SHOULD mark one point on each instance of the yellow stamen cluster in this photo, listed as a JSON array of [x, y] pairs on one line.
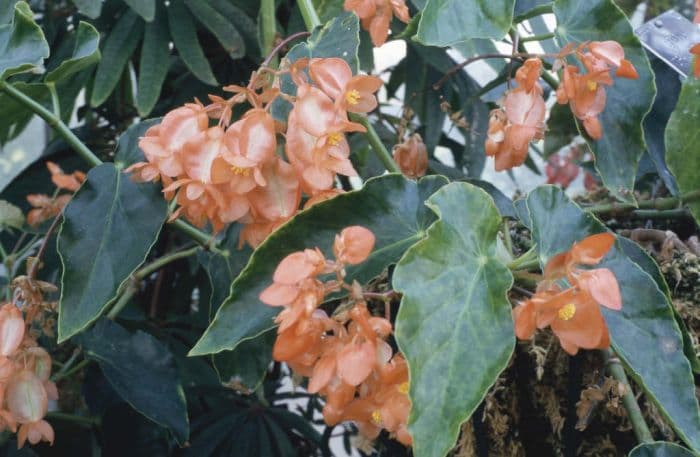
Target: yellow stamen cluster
[[335, 138], [376, 417], [403, 388], [567, 312], [240, 171], [352, 97], [592, 85]]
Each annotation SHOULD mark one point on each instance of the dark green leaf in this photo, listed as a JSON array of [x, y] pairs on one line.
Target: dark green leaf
[[453, 276], [109, 227], [561, 129], [338, 38], [243, 23], [14, 116], [118, 47], [222, 28], [683, 141], [391, 206], [660, 449], [523, 6], [154, 64], [618, 152], [142, 371], [144, 8], [86, 52], [446, 22], [22, 44], [128, 151], [90, 8], [184, 34], [644, 333]]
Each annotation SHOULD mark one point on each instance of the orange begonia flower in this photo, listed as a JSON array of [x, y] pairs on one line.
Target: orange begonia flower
[[45, 207], [353, 245], [695, 50], [376, 16], [412, 157], [573, 313], [351, 93], [11, 329], [69, 182]]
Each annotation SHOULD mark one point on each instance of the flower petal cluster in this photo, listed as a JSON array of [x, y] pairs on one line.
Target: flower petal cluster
[[412, 156], [346, 357], [519, 121], [47, 207], [585, 92], [569, 298], [376, 15], [25, 388], [222, 173]]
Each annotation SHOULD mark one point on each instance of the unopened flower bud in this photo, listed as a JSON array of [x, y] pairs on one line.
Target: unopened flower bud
[[11, 329], [412, 157]]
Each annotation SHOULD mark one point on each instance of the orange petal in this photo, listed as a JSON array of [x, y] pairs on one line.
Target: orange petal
[[355, 362], [592, 249], [279, 294], [331, 75], [602, 285], [353, 245]]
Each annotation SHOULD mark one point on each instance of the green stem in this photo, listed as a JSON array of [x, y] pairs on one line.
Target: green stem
[[551, 80], [506, 236], [639, 425], [53, 121], [679, 213], [84, 420], [308, 12], [55, 103], [544, 36], [130, 291], [68, 373], [526, 261], [66, 366], [659, 204], [536, 11], [205, 239], [166, 259], [376, 143], [268, 24]]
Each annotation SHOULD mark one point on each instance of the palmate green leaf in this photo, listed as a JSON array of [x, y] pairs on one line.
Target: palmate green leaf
[[682, 140], [90, 8], [118, 47], [338, 38], [142, 371], [223, 29], [660, 449], [618, 152], [391, 206], [644, 333], [447, 22], [184, 34], [86, 52], [154, 64], [108, 229], [22, 44], [144, 8], [454, 325]]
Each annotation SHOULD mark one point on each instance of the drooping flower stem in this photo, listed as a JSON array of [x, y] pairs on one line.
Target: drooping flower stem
[[267, 22], [53, 121], [376, 143], [639, 425]]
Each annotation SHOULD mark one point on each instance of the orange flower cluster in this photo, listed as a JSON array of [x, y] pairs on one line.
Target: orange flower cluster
[[25, 387], [225, 173], [584, 91], [376, 16], [346, 356], [573, 312], [563, 169], [412, 157], [519, 121], [46, 207]]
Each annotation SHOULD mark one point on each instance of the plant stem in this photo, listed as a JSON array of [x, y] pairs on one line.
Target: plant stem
[[205, 239], [639, 425], [525, 261], [308, 12], [281, 44], [66, 366], [53, 121], [536, 11], [507, 240], [376, 143], [130, 291], [67, 373], [55, 103], [551, 80], [84, 420], [612, 209], [544, 36], [166, 259], [268, 24]]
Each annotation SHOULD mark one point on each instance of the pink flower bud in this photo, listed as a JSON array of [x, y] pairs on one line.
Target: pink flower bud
[[26, 397], [11, 329]]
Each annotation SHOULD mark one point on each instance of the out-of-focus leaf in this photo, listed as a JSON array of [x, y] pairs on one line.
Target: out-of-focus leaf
[[117, 50], [243, 23], [86, 52], [446, 22], [90, 8], [144, 8], [523, 6], [223, 29], [683, 141], [154, 64], [618, 152], [453, 276], [184, 34], [644, 333], [22, 44], [14, 116], [338, 38], [10, 215], [142, 371], [660, 449], [109, 227], [391, 206]]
